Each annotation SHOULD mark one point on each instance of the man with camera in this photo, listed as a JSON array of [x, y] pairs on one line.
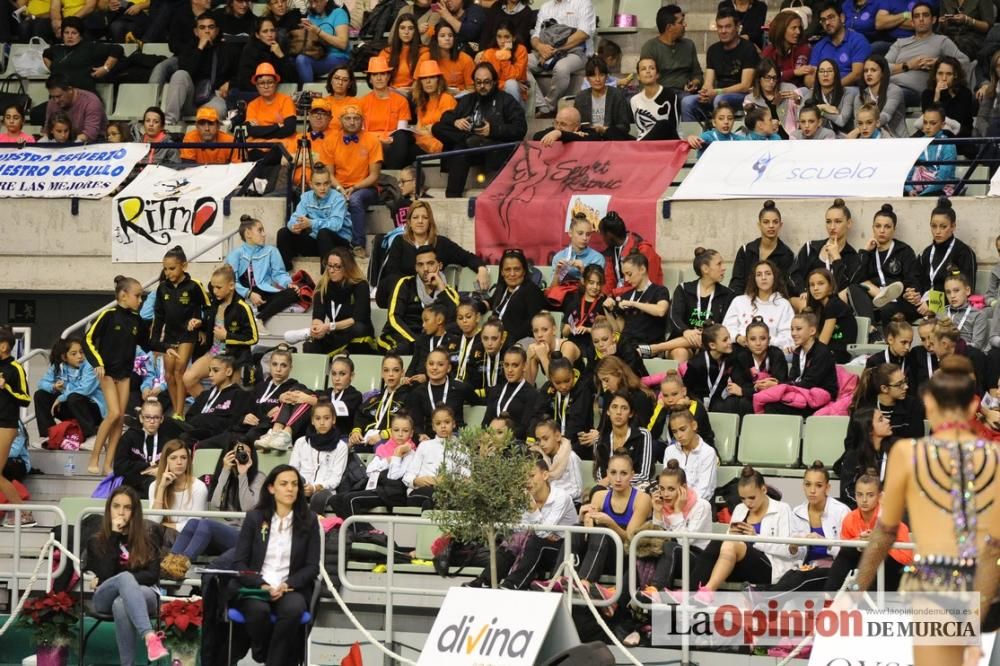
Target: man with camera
[[202, 77], [488, 116]]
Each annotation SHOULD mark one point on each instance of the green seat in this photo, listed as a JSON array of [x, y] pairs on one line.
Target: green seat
[[204, 462], [271, 459], [587, 475], [379, 319], [426, 534], [823, 439], [863, 324], [725, 474], [474, 414], [726, 428], [853, 369], [982, 280], [133, 99], [867, 350], [311, 370], [368, 371], [73, 506], [657, 366], [770, 439]]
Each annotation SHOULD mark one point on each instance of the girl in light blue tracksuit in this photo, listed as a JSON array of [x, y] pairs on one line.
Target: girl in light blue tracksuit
[[69, 390], [261, 278]]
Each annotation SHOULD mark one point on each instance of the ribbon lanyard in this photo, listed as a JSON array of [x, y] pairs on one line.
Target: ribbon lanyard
[[930, 365], [336, 397], [444, 394], [433, 343], [491, 372], [585, 314], [505, 301], [213, 397], [383, 407], [708, 307], [250, 279], [501, 405], [802, 365], [888, 359], [930, 261], [764, 364], [150, 456], [713, 386], [562, 404], [959, 325], [464, 352], [618, 264], [268, 392], [335, 310], [878, 264]]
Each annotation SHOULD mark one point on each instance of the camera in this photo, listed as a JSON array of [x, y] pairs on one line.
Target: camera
[[241, 455]]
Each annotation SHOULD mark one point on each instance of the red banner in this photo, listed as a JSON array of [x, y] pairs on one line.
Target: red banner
[[525, 205]]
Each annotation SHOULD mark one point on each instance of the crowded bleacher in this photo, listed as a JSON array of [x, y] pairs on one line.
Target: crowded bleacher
[[648, 396]]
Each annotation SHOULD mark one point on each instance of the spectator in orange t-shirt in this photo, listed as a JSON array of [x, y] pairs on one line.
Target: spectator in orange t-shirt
[[271, 116], [387, 116], [403, 52], [357, 163], [207, 131], [320, 137], [343, 91], [431, 99], [510, 59], [456, 65]]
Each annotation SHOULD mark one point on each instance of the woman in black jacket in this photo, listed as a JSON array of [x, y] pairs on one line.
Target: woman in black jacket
[[616, 118], [769, 246], [517, 299], [124, 555], [945, 255], [342, 312], [83, 62], [262, 47], [833, 253], [282, 527]]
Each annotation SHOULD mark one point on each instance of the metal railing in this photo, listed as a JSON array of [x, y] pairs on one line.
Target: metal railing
[[421, 160], [79, 546], [16, 574], [685, 539], [390, 590]]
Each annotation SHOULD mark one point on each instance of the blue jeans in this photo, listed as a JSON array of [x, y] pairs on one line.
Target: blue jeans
[[694, 111], [358, 205], [131, 604], [202, 535], [309, 68]]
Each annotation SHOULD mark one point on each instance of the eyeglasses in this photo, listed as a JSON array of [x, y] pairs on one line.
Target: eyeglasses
[[335, 267], [147, 417], [900, 384], [266, 83], [483, 82], [770, 77]]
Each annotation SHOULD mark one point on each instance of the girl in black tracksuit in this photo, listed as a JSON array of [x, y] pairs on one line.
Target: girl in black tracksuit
[[756, 366], [710, 372], [515, 396], [371, 425], [265, 398], [469, 341], [568, 400], [346, 401], [181, 308], [885, 260], [234, 331], [342, 315], [833, 253], [813, 365], [944, 256], [439, 389], [110, 349], [673, 397], [217, 410], [774, 250], [13, 395], [485, 365]]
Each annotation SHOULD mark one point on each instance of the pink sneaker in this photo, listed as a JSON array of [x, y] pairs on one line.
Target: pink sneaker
[[154, 646]]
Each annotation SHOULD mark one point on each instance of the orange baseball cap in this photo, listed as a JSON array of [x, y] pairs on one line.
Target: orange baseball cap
[[265, 69], [378, 65], [350, 109], [207, 113], [320, 103], [427, 69]]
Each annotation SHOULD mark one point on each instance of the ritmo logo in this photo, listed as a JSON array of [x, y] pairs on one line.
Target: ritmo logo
[[488, 641]]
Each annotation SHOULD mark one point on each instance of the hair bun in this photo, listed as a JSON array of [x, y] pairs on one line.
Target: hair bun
[[956, 364], [817, 465], [672, 464], [886, 208], [698, 251], [120, 278], [838, 202], [870, 471], [899, 316], [943, 202], [768, 204], [245, 217], [747, 472]]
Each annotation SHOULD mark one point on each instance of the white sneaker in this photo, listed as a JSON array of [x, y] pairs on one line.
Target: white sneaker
[[888, 294], [261, 329], [88, 444], [297, 335], [280, 440], [263, 443]]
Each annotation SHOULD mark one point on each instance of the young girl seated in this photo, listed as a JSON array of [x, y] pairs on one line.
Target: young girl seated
[[215, 412], [811, 125], [757, 365], [510, 60], [899, 341], [606, 342], [737, 561], [468, 315], [265, 400], [440, 389], [837, 325], [709, 373], [766, 298], [866, 123], [539, 352], [884, 387], [569, 401], [484, 365], [873, 438], [378, 407], [563, 464], [696, 458], [60, 130], [582, 308], [380, 489], [124, 555], [760, 125], [175, 487], [69, 390], [933, 173], [813, 367], [418, 468], [261, 276], [723, 118], [515, 397], [674, 397], [972, 324], [624, 437], [320, 456]]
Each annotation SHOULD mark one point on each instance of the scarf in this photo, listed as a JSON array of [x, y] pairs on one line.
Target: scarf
[[327, 442]]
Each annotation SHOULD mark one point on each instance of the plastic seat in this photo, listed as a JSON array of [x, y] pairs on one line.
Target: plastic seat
[[657, 366], [726, 428], [267, 461], [367, 371], [587, 476], [156, 48], [379, 319], [474, 414], [311, 370], [853, 369], [770, 439], [73, 506], [868, 349], [823, 438], [204, 462], [133, 99], [982, 280], [863, 324]]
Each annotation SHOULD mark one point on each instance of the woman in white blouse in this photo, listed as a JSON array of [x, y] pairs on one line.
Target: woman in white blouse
[[175, 486], [765, 297]]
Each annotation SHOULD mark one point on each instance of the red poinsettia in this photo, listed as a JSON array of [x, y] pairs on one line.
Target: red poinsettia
[[52, 618], [182, 620]]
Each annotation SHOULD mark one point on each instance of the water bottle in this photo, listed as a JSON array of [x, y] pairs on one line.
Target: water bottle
[[69, 467]]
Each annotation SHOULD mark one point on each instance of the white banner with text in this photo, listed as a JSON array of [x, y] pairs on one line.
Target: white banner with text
[[82, 172], [830, 168], [162, 208]]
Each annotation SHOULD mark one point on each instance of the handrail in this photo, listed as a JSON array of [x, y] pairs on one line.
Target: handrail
[[390, 590], [24, 359], [418, 162], [83, 322], [685, 539], [16, 575]]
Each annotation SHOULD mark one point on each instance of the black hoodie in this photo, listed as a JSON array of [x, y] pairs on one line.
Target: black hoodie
[[808, 260], [688, 310], [961, 258], [749, 254]]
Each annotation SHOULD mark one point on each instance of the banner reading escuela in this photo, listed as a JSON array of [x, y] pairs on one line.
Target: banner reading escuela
[[832, 168], [81, 172], [525, 205], [162, 208]]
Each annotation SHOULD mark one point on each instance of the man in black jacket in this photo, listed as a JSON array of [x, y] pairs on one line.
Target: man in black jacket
[[202, 77], [179, 23], [566, 128], [489, 116]]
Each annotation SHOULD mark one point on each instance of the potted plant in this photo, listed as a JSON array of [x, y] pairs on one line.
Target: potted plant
[[53, 620], [480, 495], [182, 620]]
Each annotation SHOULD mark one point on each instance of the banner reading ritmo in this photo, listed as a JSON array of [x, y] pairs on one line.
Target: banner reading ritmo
[[763, 620]]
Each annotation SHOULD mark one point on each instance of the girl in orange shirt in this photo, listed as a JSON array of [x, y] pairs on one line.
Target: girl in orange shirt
[[456, 65], [403, 53], [431, 101], [510, 60], [343, 91]]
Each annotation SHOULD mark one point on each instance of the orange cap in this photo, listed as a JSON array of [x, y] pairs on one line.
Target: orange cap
[[320, 103], [427, 69], [353, 109], [207, 113], [378, 65], [265, 69]]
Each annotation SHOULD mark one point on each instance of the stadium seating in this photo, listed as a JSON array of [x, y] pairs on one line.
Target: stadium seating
[[726, 429], [311, 370], [823, 439], [770, 439]]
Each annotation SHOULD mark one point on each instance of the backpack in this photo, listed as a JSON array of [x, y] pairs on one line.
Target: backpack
[[378, 22]]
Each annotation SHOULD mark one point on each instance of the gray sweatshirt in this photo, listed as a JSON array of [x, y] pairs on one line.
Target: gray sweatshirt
[[907, 48]]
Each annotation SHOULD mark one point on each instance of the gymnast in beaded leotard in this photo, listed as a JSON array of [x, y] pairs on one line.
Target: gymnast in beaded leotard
[[950, 485]]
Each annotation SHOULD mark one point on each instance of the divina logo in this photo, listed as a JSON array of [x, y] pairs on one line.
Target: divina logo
[[488, 640]]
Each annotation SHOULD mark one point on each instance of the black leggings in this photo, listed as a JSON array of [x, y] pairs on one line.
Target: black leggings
[[76, 406], [357, 339], [848, 559], [275, 302], [753, 568], [598, 558], [539, 555], [668, 565]]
